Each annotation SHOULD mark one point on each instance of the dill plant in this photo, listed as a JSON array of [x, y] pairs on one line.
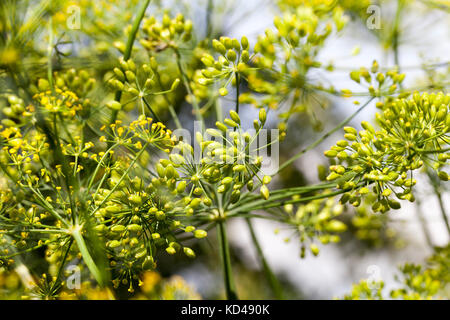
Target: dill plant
[[94, 175]]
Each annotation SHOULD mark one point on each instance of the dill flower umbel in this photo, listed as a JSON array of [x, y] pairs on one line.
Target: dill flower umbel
[[413, 133]]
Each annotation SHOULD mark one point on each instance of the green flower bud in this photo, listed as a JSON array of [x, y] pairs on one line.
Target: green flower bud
[[342, 143], [148, 263], [364, 190], [227, 180], [342, 155], [262, 115], [118, 228], [380, 78], [131, 77], [171, 250], [230, 123], [113, 208], [264, 191], [245, 56], [219, 47], [223, 91], [160, 170], [175, 84], [199, 234], [333, 176], [134, 227], [101, 228], [375, 67], [322, 172], [140, 254], [114, 244], [133, 91], [350, 137], [153, 64], [330, 153], [43, 85], [355, 76], [135, 199], [314, 249], [219, 126], [181, 187], [443, 175], [394, 204], [195, 203], [156, 236], [160, 215], [114, 105], [213, 132], [244, 43], [335, 226], [266, 179], [119, 74], [367, 126], [235, 116], [189, 252], [235, 196], [350, 130]]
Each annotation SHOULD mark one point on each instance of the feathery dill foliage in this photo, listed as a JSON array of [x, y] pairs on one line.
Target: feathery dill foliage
[[95, 176]]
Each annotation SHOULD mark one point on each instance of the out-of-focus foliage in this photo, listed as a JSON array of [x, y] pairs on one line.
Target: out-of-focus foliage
[[415, 282]]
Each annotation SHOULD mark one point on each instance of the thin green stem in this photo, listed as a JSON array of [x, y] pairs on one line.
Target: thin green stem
[[218, 108], [87, 258], [129, 48], [63, 262], [237, 93], [121, 178], [325, 136], [435, 183], [423, 223], [270, 276], [91, 181], [230, 288], [185, 80], [49, 55], [151, 110], [271, 202], [396, 33], [209, 13], [170, 104]]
